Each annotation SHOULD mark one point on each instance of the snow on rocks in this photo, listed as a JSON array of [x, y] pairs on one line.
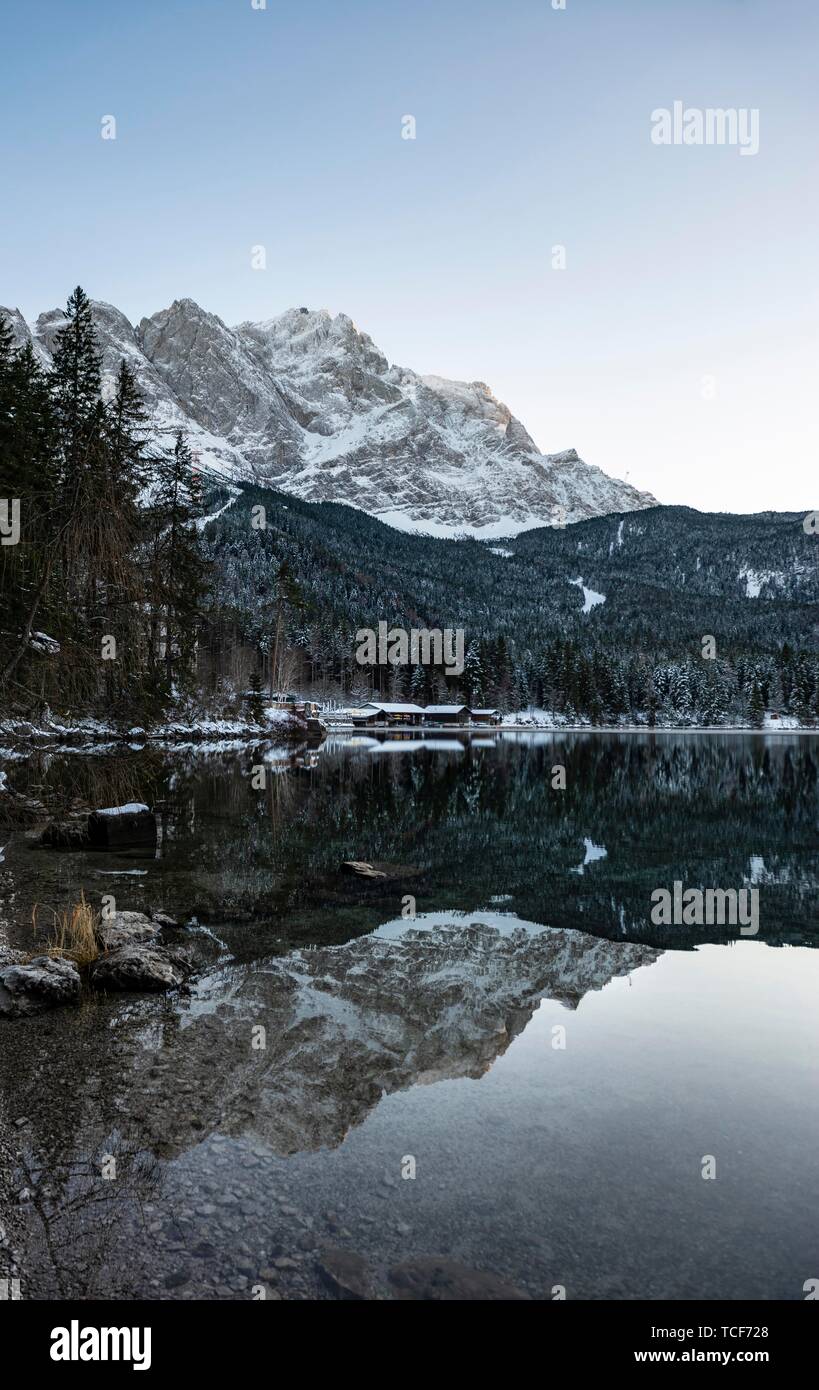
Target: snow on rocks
[[131, 960], [90, 734], [120, 826], [43, 983], [126, 929], [41, 642]]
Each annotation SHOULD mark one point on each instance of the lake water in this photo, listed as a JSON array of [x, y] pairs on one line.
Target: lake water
[[554, 1071]]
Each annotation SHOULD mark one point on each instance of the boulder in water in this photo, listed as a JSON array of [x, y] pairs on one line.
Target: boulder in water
[[66, 834], [43, 983], [440, 1279], [139, 967], [345, 1272], [121, 827], [126, 929]]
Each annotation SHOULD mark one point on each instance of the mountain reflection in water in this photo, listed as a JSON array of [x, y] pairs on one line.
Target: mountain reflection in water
[[556, 1096]]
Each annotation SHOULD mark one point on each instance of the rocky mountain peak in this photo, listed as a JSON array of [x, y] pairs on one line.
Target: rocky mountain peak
[[306, 402]]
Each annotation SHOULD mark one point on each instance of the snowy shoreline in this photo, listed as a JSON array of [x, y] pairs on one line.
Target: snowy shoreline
[[278, 724], [484, 732], [544, 722], [18, 737]]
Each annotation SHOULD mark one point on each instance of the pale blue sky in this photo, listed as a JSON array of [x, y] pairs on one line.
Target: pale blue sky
[[282, 127]]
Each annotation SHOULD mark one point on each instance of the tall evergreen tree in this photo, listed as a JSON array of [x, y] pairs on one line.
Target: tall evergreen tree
[[473, 679], [756, 706], [179, 569], [28, 483], [77, 380]]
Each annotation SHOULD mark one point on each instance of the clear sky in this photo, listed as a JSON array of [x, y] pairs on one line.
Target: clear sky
[[678, 347]]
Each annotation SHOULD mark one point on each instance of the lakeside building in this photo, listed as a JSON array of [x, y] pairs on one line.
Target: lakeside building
[[377, 715], [446, 714], [486, 716]]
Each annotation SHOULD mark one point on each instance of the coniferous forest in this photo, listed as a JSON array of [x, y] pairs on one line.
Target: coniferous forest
[[103, 589], [138, 586]]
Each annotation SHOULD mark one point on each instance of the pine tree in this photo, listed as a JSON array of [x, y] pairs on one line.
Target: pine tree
[[472, 678], [91, 549], [418, 683], [287, 600], [255, 699], [76, 383], [803, 690], [179, 580], [756, 706], [127, 429], [28, 482]]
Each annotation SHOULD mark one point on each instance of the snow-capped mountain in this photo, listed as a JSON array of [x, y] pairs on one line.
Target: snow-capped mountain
[[308, 404]]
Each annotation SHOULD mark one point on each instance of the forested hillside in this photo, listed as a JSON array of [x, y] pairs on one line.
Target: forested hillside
[[625, 641]]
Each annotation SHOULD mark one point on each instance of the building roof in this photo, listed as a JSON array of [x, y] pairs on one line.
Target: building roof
[[446, 709], [485, 711], [394, 709]]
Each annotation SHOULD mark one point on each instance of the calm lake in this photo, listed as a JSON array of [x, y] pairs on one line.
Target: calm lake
[[526, 1076]]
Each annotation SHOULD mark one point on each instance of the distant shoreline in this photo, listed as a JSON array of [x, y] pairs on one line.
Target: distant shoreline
[[421, 731], [22, 743]]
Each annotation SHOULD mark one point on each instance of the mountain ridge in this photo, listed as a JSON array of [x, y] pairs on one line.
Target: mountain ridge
[[308, 404]]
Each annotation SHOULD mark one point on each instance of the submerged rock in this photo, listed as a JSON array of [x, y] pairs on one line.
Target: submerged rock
[[44, 983], [440, 1279], [361, 870], [163, 920], [119, 827], [66, 834], [138, 967], [346, 1273]]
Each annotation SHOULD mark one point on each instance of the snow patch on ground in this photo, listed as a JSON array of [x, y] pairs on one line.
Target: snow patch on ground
[[593, 853], [754, 580], [618, 540], [536, 718], [204, 521], [496, 530], [590, 597]]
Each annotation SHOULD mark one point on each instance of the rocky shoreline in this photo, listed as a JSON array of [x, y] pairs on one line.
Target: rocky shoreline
[[132, 957], [77, 733]]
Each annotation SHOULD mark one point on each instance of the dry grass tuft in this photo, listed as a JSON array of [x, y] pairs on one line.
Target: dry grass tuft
[[74, 933]]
